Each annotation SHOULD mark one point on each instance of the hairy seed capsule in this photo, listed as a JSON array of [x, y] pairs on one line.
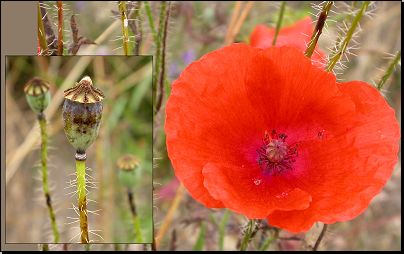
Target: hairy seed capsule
[[82, 112], [129, 170], [37, 94]]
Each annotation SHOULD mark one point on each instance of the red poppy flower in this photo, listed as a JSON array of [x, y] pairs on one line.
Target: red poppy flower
[[39, 49], [268, 135], [297, 35]]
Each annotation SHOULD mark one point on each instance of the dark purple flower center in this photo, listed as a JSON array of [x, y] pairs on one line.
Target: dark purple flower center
[[275, 156]]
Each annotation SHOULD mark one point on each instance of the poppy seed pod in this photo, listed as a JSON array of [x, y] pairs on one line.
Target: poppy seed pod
[[129, 170], [82, 112], [37, 94]]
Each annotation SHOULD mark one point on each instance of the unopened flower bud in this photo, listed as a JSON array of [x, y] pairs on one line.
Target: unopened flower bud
[[37, 94], [129, 170]]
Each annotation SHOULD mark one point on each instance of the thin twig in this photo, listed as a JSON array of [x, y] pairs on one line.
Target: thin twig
[[320, 237], [232, 22], [170, 213], [240, 22]]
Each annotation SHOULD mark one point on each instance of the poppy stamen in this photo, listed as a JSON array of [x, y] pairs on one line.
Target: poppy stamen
[[275, 155]]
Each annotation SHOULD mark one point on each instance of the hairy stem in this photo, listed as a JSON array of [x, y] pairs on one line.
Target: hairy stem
[[344, 44], [81, 190], [60, 28], [247, 235], [389, 71], [125, 30], [162, 77], [45, 182], [318, 29], [158, 62], [41, 32]]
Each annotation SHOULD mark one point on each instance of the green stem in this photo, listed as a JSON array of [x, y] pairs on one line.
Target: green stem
[[125, 30], [278, 25], [158, 63], [247, 235], [151, 22], [41, 31], [344, 44], [222, 228], [389, 71], [318, 29], [162, 77], [81, 190], [200, 241], [136, 221], [45, 182], [267, 242]]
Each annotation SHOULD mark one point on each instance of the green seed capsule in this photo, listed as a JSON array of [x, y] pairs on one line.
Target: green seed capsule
[[37, 94], [129, 170], [82, 112]]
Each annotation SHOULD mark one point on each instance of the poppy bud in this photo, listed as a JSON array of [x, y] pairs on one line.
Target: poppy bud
[[37, 94], [129, 170], [82, 112]]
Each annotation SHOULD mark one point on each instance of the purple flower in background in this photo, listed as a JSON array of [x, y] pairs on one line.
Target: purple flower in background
[[176, 67]]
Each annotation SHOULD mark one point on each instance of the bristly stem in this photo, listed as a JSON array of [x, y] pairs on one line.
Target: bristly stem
[[136, 222], [151, 22], [45, 182], [60, 27], [320, 237], [81, 190], [344, 44], [278, 25], [247, 235], [125, 30], [389, 71], [161, 79], [157, 63], [41, 32], [137, 30], [318, 29]]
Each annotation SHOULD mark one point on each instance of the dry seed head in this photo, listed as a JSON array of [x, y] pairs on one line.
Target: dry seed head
[[82, 113], [128, 162], [84, 92]]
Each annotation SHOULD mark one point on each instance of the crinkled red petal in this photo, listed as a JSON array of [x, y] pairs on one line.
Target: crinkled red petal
[[297, 35], [362, 160], [221, 107]]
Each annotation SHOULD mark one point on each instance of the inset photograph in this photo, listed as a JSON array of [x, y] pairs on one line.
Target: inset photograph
[[79, 149]]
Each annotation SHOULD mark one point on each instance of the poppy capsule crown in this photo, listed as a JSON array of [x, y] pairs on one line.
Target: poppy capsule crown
[[82, 112], [37, 94]]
